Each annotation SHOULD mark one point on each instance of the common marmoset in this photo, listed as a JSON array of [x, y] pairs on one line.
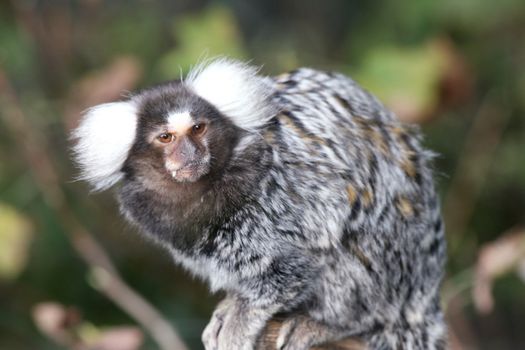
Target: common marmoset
[[298, 194]]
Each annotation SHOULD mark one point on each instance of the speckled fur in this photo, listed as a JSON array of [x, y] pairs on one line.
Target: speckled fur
[[327, 211]]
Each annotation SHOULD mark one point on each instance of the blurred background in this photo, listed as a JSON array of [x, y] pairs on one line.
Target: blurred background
[[74, 275]]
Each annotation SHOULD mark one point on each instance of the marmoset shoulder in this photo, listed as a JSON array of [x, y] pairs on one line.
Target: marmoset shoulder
[[298, 194]]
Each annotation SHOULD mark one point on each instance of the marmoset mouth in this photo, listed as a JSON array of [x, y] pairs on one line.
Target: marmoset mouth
[[189, 172]]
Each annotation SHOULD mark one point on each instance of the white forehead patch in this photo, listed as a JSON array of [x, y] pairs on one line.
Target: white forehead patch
[[104, 138], [179, 122], [235, 89]]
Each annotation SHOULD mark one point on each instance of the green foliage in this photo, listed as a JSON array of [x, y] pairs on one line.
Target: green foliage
[[208, 34], [405, 78], [16, 53]]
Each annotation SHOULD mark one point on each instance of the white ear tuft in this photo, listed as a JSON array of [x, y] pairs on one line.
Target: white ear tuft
[[235, 89], [104, 138]]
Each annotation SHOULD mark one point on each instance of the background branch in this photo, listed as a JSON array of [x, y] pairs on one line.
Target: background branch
[[473, 166]]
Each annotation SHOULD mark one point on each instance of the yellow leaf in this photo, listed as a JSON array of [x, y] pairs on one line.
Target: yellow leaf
[[15, 236]]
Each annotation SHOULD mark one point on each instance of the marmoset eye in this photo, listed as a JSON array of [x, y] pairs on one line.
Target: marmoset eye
[[198, 129], [165, 137]]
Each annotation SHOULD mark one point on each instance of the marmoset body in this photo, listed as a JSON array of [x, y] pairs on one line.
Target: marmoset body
[[298, 194]]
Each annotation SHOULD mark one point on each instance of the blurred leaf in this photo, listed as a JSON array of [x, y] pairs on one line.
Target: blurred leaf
[[104, 85], [15, 237], [505, 254], [111, 338], [65, 326], [49, 318], [210, 33], [405, 79], [119, 338], [477, 15], [17, 53], [88, 332], [57, 322], [521, 86]]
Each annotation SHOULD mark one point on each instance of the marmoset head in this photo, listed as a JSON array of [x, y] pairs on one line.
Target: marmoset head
[[180, 137], [178, 132]]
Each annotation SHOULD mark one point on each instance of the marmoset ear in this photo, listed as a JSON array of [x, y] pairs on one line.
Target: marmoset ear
[[104, 137], [235, 89]]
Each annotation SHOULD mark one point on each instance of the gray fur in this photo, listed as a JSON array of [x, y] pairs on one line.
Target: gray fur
[[327, 211]]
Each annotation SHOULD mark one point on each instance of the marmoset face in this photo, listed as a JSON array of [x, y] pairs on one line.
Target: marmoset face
[[175, 135], [180, 137]]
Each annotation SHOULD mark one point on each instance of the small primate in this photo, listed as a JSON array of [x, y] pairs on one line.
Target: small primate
[[299, 194]]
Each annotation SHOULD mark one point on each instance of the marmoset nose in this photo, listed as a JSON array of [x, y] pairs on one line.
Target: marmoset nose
[[181, 155]]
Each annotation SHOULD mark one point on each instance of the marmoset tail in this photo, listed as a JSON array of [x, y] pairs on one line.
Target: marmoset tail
[[299, 194]]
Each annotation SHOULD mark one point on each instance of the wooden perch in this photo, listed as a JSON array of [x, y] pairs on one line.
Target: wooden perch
[[269, 338]]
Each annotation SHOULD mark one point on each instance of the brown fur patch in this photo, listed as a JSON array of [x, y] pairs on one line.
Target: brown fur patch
[[351, 194], [409, 167], [358, 253], [283, 76], [269, 136], [282, 81], [378, 139], [371, 131], [368, 197], [398, 130], [408, 156], [405, 207], [361, 122], [290, 124]]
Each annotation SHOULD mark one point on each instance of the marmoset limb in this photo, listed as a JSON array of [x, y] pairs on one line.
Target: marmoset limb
[[299, 195]]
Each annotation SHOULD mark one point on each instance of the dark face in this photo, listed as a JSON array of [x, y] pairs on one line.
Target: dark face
[[181, 139]]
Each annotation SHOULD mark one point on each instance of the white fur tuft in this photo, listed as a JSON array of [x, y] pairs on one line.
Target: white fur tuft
[[104, 138], [235, 89]]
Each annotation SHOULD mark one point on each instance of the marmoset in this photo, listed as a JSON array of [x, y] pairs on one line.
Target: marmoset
[[299, 194]]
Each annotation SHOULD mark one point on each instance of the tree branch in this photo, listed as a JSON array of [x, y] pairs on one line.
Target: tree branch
[[269, 338], [481, 143]]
